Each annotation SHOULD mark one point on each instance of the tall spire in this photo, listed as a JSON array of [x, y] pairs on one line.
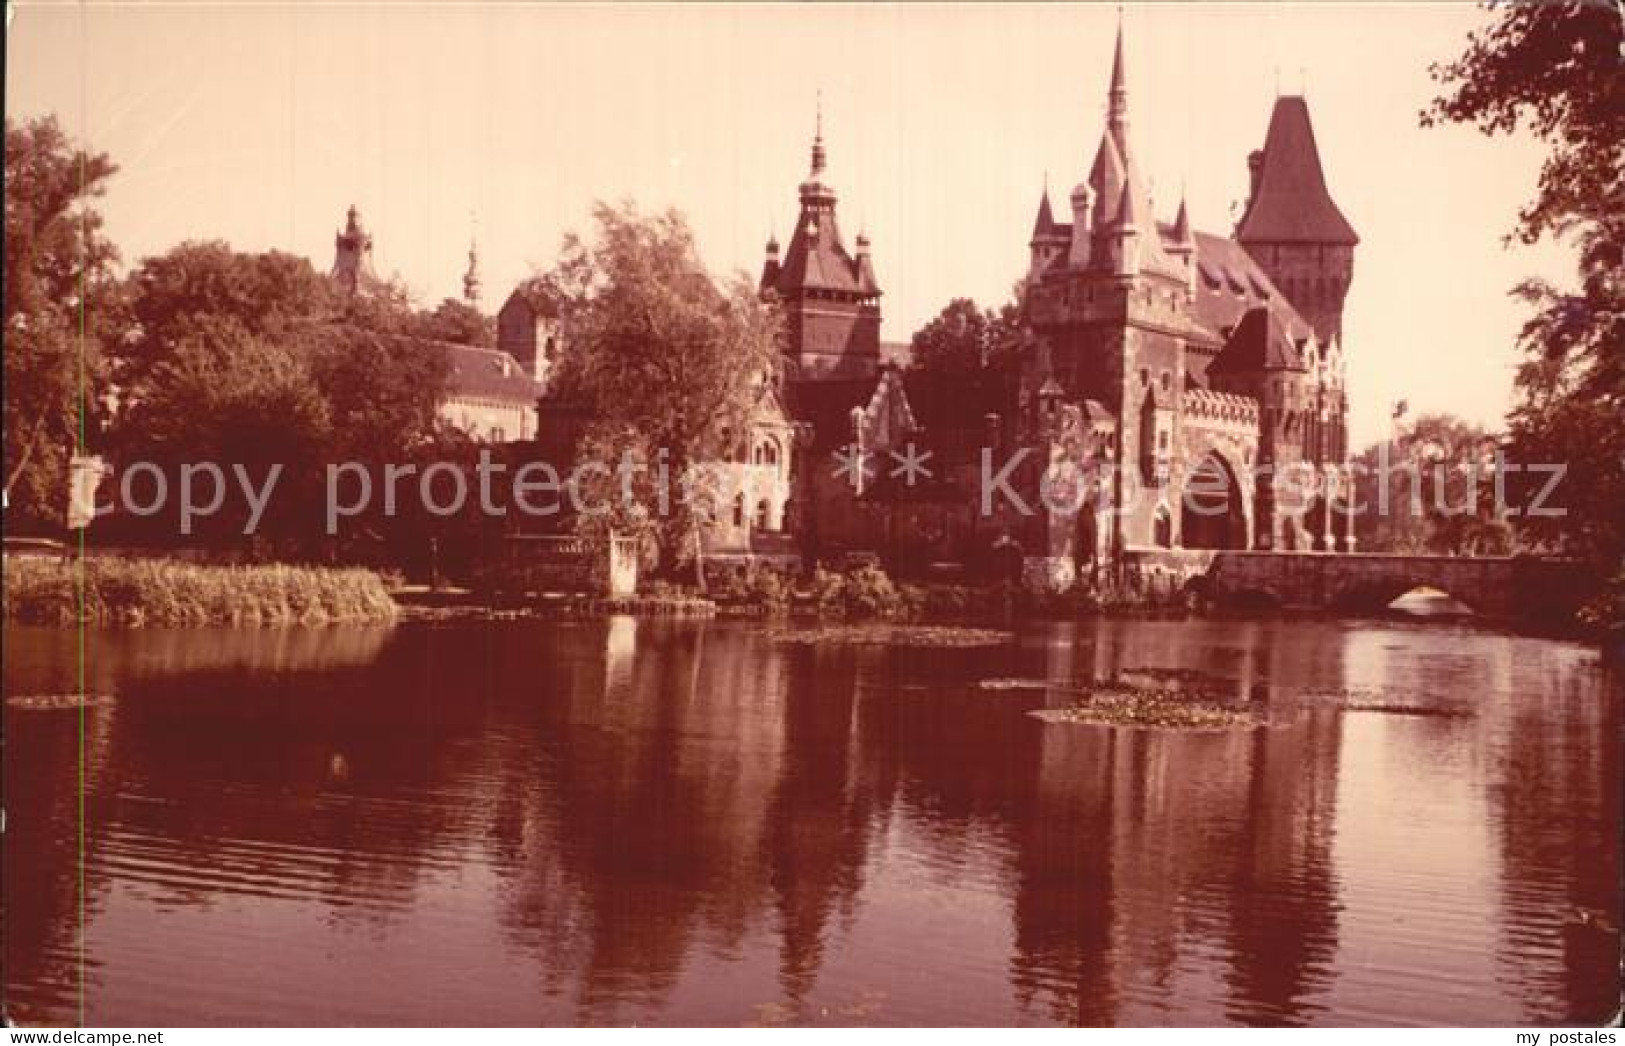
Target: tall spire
[[1117, 98], [471, 278], [814, 191], [818, 139]]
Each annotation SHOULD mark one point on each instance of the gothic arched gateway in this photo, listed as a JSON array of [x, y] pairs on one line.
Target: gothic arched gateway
[[1212, 512]]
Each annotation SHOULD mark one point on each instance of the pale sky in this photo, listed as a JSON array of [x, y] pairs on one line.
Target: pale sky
[[259, 124]]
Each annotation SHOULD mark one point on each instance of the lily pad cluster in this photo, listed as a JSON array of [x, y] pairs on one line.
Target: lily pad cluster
[[1115, 702], [881, 634]]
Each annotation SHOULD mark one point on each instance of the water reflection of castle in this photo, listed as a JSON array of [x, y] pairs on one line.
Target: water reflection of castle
[[644, 821]]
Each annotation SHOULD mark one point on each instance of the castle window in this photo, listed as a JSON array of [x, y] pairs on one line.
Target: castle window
[[739, 510], [764, 515]]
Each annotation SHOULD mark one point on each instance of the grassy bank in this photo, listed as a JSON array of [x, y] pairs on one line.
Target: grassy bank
[[133, 592]]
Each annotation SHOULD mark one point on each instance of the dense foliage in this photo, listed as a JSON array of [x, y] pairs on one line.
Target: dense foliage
[[58, 283], [671, 366], [1430, 490], [1555, 71], [964, 340]]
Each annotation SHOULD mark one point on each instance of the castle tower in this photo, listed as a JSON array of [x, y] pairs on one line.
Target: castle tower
[[830, 298], [1114, 315], [352, 256], [1292, 226]]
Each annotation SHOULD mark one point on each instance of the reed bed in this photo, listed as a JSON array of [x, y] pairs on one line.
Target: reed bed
[[133, 592]]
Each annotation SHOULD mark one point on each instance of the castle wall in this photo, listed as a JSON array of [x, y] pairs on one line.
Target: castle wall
[[1314, 277]]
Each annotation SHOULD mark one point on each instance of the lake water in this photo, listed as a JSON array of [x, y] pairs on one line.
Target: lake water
[[646, 822]]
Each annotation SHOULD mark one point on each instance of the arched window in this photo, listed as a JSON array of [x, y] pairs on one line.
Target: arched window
[[739, 510], [764, 515]]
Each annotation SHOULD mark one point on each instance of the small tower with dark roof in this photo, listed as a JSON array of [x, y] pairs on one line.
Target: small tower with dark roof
[[830, 297], [1291, 224], [352, 256]]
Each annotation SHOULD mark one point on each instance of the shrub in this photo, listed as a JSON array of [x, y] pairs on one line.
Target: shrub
[[754, 586]]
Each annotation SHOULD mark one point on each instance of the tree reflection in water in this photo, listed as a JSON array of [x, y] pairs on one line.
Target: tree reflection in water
[[609, 822]]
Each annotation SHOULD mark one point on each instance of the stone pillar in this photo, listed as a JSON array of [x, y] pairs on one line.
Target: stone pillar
[[1329, 537], [1349, 540]]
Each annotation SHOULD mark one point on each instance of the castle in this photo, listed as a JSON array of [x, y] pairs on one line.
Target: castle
[[1184, 389], [1173, 390]]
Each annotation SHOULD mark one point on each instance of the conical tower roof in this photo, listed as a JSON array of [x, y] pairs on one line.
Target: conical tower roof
[[1291, 203]]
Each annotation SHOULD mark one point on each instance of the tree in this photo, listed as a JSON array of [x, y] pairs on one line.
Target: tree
[[658, 352], [58, 276], [383, 391], [457, 322], [206, 290], [964, 340], [234, 400], [266, 335], [1556, 70], [1431, 491]]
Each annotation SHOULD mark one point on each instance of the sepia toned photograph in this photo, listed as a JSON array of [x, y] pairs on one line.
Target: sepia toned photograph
[[785, 515]]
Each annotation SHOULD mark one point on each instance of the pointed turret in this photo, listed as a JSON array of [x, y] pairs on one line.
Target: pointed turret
[[1044, 223], [1107, 178], [1128, 210], [1182, 226], [1181, 247], [1128, 225], [1049, 237]]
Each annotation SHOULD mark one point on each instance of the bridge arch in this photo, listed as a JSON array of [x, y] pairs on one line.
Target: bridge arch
[[1379, 596]]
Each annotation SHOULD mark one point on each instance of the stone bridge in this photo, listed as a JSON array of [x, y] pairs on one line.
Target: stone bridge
[[1499, 586]]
